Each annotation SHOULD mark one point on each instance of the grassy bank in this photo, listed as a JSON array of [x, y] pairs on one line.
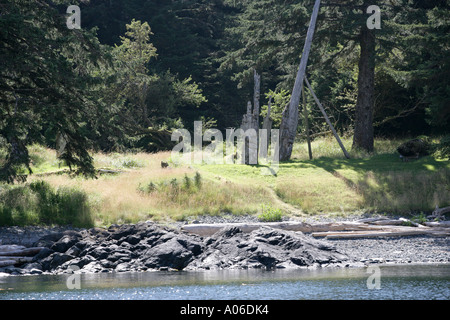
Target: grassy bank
[[142, 190], [329, 183]]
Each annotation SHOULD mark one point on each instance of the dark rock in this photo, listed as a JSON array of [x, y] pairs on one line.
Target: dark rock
[[73, 251], [44, 253], [83, 261], [98, 232], [58, 259], [265, 259], [33, 265], [169, 254], [49, 239], [148, 246], [63, 244], [132, 239], [99, 253], [85, 244], [264, 248], [118, 255], [107, 264], [123, 231]]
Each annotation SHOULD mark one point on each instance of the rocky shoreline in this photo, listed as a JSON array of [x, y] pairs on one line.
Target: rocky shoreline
[[148, 246]]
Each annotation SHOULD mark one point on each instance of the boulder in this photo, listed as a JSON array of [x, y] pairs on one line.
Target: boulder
[[44, 253], [63, 244], [171, 254], [58, 259]]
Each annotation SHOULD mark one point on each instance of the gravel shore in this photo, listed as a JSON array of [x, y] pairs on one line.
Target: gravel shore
[[411, 249]]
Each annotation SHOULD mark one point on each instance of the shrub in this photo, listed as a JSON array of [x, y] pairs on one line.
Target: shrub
[[17, 206], [39, 203], [198, 180], [187, 182], [73, 207], [270, 214]]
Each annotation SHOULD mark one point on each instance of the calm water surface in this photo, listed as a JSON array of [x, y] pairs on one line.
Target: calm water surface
[[396, 282]]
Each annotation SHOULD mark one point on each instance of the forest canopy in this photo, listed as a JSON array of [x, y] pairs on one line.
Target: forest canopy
[[137, 69]]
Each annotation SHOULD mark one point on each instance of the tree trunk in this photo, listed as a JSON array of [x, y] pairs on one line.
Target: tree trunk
[[289, 121], [363, 135]]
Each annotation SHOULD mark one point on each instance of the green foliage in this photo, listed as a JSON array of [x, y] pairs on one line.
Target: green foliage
[[173, 186], [44, 84], [187, 184], [270, 214], [443, 148], [419, 218], [198, 180], [279, 100], [39, 204], [124, 81]]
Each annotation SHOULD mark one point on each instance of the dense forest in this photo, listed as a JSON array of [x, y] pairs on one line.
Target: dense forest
[[137, 69]]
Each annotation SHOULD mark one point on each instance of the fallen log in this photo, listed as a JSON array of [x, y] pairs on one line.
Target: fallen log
[[375, 225], [435, 224], [21, 252], [368, 220], [369, 234], [343, 226], [439, 212], [387, 232], [17, 260], [395, 222], [207, 230], [10, 247], [7, 263]]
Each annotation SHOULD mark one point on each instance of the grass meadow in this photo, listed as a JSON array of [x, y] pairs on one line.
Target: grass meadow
[[137, 188]]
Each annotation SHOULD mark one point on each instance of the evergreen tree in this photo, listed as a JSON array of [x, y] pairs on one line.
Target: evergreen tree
[[43, 84]]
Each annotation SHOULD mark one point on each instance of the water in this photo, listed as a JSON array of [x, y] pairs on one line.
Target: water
[[410, 282]]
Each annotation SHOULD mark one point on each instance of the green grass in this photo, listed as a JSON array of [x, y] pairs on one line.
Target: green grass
[[328, 184], [38, 203]]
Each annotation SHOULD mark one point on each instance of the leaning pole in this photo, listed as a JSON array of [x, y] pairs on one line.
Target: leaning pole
[[289, 121]]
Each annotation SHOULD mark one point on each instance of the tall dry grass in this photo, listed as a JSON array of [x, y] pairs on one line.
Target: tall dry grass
[[118, 198]]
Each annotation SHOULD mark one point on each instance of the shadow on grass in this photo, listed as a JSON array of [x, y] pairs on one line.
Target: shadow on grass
[[385, 183]]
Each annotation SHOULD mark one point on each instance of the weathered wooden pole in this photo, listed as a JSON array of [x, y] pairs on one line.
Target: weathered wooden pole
[[265, 133], [305, 114], [289, 121], [251, 120], [327, 119], [256, 94]]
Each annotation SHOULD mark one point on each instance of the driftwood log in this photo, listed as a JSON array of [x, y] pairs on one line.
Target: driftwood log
[[365, 228], [15, 255], [438, 213]]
